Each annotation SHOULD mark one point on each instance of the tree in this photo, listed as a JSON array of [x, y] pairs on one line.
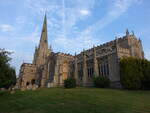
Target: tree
[[135, 73], [146, 74], [7, 73]]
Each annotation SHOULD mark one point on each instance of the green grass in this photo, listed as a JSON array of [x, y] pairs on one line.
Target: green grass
[[78, 100]]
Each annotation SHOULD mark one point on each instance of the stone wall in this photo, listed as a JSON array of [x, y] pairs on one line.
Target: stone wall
[[27, 75]]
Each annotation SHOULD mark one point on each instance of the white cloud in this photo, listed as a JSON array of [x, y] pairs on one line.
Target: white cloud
[[20, 57], [21, 46], [74, 44], [116, 9], [42, 6], [33, 37], [6, 28], [84, 12], [68, 15]]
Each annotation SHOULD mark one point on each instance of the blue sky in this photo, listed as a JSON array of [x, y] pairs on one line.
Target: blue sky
[[73, 25]]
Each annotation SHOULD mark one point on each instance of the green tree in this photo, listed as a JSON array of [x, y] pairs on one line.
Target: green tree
[[146, 74], [135, 73], [7, 73]]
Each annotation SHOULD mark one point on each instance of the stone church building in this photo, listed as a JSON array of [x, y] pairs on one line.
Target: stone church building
[[50, 69]]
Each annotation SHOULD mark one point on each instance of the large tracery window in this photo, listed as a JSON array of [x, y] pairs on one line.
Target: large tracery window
[[90, 72], [80, 73], [104, 69], [103, 66], [107, 68]]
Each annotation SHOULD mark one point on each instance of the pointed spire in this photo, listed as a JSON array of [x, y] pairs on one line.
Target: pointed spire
[[132, 32], [94, 49], [127, 32], [44, 40], [140, 39], [36, 48], [43, 49], [75, 54], [45, 23], [116, 37], [50, 48]]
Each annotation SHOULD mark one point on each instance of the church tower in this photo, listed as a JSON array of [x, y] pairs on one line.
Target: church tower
[[42, 51]]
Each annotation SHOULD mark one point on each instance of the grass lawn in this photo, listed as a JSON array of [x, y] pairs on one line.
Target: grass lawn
[[78, 100]]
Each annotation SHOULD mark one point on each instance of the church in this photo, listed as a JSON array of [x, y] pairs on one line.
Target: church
[[50, 69]]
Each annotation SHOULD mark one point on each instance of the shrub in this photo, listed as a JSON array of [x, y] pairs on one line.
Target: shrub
[[135, 73], [146, 77], [101, 82], [129, 82], [70, 83]]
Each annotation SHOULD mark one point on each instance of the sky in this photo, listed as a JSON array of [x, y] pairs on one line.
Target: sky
[[73, 25]]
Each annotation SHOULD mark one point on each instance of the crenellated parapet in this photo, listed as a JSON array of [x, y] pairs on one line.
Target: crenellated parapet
[[28, 64], [27, 67], [65, 55], [108, 48]]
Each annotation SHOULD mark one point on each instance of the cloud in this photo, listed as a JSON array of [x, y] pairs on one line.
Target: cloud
[[42, 6], [86, 38], [21, 46], [84, 12], [20, 57], [6, 28], [74, 44], [32, 37], [65, 10], [116, 9]]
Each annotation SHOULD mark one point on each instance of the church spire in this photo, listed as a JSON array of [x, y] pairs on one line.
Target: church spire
[[127, 32], [43, 50], [44, 40]]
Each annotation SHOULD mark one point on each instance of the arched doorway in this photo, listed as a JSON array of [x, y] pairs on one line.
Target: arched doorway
[[27, 83], [33, 81]]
